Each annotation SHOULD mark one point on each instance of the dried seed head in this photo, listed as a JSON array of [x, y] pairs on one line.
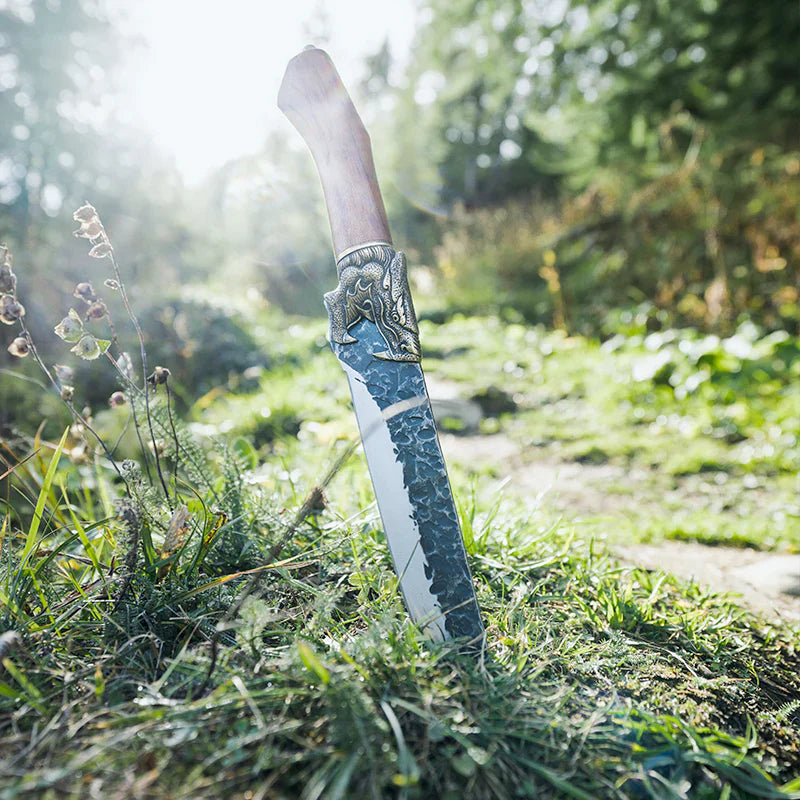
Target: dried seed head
[[96, 310], [177, 531], [117, 399], [160, 375], [67, 393], [70, 329], [89, 230], [20, 347], [63, 373], [79, 453], [8, 641], [85, 291], [157, 446], [89, 348], [317, 500], [85, 213], [8, 280], [101, 250], [11, 310]]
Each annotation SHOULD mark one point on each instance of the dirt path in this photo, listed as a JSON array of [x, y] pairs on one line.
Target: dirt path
[[766, 582]]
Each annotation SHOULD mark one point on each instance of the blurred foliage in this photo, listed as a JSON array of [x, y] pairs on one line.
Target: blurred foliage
[[205, 345], [465, 104], [54, 62], [62, 142], [659, 141], [270, 208], [568, 163]]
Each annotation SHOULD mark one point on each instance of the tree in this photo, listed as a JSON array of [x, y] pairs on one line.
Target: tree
[[55, 60], [467, 92], [62, 144], [668, 131]]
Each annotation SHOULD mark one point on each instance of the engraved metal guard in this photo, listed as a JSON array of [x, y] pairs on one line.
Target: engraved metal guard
[[373, 285]]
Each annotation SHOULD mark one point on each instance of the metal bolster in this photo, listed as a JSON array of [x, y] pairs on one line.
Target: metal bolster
[[357, 247], [373, 285]]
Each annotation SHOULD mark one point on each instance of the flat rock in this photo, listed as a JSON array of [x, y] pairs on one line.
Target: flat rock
[[456, 416], [452, 412], [495, 401], [568, 485], [765, 582]]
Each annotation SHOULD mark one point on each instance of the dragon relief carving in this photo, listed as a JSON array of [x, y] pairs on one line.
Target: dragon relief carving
[[373, 285]]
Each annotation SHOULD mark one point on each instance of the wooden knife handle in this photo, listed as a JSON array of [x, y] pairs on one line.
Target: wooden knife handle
[[314, 99]]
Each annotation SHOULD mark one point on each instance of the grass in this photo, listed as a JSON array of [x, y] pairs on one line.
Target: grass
[[598, 682], [139, 668], [711, 425]]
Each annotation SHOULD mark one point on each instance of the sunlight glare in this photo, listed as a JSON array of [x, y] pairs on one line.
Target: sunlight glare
[[205, 79]]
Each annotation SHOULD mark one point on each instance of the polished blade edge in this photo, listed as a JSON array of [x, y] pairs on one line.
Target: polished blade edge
[[405, 461], [397, 512]]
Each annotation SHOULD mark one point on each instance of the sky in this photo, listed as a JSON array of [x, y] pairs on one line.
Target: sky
[[205, 78]]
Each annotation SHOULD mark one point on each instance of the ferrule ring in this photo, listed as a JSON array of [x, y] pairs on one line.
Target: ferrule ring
[[355, 248]]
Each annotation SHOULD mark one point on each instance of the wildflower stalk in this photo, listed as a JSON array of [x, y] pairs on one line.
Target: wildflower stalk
[[76, 415], [145, 455], [161, 376], [113, 331], [143, 355], [122, 433], [92, 228], [13, 312], [175, 439], [131, 386]]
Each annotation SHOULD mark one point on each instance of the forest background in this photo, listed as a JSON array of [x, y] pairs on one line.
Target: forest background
[[600, 168], [599, 203]]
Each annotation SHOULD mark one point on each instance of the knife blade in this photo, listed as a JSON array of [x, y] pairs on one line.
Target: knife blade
[[374, 334]]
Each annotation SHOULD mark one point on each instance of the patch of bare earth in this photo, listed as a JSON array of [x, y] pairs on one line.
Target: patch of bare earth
[[766, 583]]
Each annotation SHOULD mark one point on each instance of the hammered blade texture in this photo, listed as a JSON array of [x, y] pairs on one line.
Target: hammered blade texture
[[413, 433]]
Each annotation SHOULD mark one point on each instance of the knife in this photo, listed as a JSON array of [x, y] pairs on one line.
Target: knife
[[374, 334]]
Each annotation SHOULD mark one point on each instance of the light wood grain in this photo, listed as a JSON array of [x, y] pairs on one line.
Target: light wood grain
[[315, 101]]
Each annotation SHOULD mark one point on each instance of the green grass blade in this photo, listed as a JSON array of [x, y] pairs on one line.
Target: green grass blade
[[32, 695], [81, 531], [33, 530]]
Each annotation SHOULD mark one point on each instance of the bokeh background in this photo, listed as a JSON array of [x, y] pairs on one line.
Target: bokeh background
[[600, 203], [602, 168]]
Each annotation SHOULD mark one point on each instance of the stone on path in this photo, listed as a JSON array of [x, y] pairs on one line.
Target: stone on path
[[451, 411], [766, 582]]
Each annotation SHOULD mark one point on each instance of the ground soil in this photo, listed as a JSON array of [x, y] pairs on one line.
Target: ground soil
[[767, 583]]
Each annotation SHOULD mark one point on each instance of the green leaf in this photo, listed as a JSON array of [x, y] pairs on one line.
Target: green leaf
[[409, 769], [245, 451], [312, 663], [33, 530], [70, 329], [32, 695], [88, 348], [638, 130]]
